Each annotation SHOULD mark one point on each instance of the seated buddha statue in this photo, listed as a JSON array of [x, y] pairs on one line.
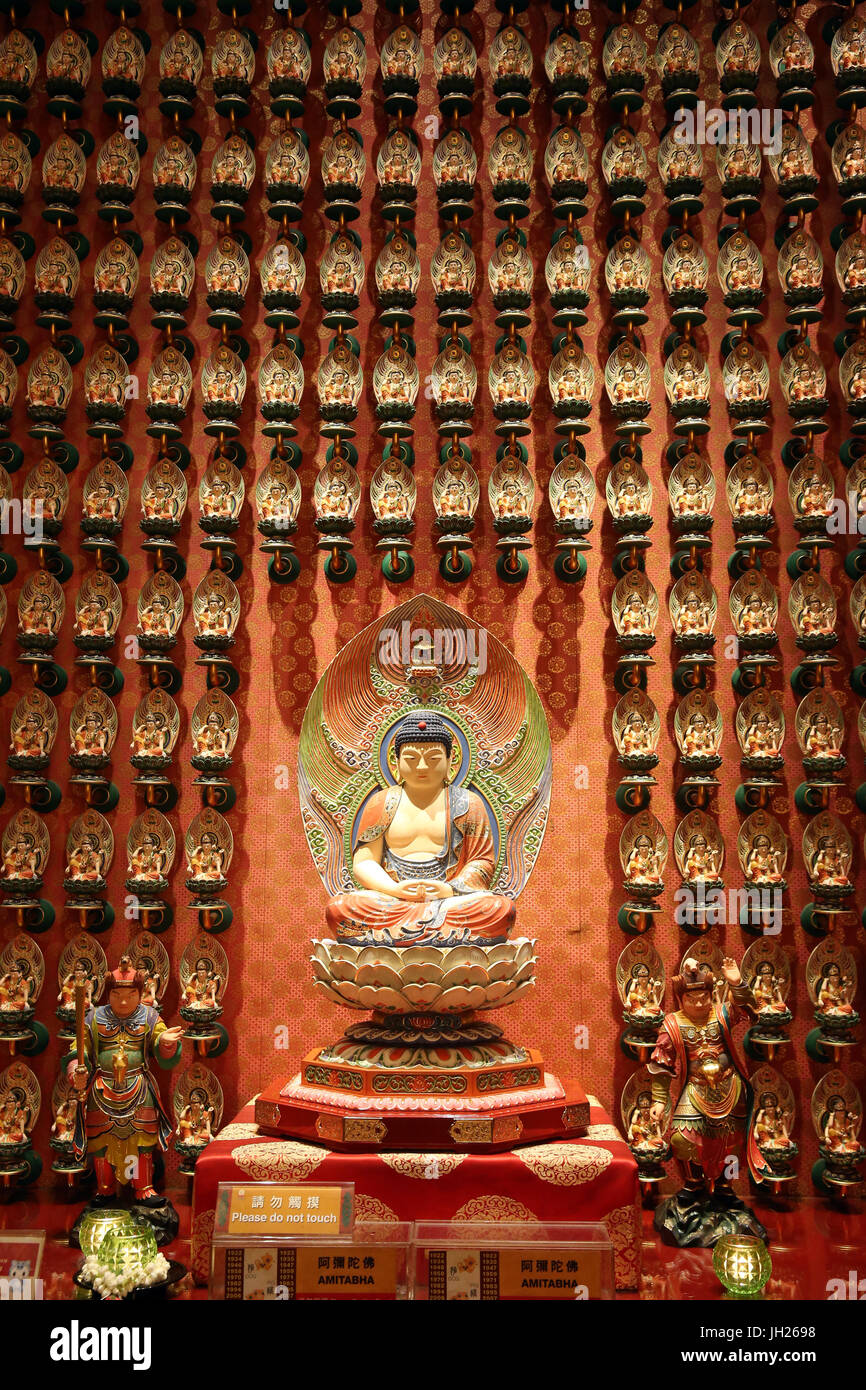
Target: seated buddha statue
[[424, 854]]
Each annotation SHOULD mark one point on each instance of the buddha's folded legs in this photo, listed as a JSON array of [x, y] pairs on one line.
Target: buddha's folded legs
[[365, 917]]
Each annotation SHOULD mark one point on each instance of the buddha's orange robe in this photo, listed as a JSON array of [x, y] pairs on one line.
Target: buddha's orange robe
[[467, 862]]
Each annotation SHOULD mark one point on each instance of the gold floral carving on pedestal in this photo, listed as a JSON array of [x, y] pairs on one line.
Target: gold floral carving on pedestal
[[428, 1166], [286, 1159], [623, 1227], [486, 1131], [364, 1130], [565, 1165], [238, 1129], [371, 1209], [573, 1117]]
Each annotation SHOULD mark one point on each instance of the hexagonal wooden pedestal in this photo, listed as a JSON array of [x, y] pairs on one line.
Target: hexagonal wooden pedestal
[[426, 1084]]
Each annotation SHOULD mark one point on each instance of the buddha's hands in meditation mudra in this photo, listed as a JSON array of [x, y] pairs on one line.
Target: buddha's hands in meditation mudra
[[424, 856]]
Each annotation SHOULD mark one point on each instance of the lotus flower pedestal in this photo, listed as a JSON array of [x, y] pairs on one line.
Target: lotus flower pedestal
[[425, 1072]]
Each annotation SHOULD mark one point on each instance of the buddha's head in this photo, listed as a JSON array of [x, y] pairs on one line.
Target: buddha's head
[[422, 746]]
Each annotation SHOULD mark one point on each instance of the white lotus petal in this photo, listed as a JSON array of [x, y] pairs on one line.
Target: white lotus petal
[[421, 974], [421, 994], [421, 955], [348, 990], [464, 955], [498, 990], [460, 998], [387, 999], [379, 976], [502, 970], [376, 955], [465, 975], [343, 969]]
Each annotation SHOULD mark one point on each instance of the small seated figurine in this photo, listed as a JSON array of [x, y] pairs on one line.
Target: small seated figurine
[[834, 993], [644, 1129], [424, 854], [202, 991], [763, 863], [195, 1123], [644, 994], [771, 1125], [642, 865], [840, 1128], [14, 990], [767, 989]]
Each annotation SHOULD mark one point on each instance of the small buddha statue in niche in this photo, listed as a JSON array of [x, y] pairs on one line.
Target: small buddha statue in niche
[[424, 854]]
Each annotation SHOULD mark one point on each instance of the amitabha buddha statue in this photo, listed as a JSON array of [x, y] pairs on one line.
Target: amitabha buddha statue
[[424, 770], [424, 854]]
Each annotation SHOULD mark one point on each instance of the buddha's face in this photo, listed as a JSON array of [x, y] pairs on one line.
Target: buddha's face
[[423, 765]]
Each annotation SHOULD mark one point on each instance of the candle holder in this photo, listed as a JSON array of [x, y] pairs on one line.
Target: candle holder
[[742, 1265]]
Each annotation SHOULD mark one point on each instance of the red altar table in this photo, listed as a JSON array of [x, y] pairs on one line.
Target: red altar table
[[593, 1178]]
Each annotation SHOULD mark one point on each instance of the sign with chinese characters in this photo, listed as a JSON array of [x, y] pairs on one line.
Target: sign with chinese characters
[[566, 1262], [483, 1275], [278, 1209], [314, 1270]]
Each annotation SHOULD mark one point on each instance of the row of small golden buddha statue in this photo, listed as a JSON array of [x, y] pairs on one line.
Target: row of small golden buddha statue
[[762, 846], [93, 723]]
